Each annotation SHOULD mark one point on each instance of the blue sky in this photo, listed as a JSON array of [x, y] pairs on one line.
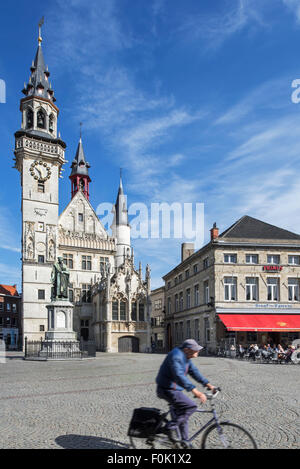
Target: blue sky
[[192, 99]]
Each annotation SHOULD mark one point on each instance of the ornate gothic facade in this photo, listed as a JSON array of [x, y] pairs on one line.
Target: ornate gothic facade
[[111, 298]]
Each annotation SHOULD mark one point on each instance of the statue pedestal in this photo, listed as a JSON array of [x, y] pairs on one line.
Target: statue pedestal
[[60, 339], [60, 321]]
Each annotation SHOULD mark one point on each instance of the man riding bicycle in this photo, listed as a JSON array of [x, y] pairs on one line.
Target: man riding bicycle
[[172, 380]]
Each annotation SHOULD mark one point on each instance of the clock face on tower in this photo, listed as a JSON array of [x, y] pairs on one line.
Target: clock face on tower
[[40, 171]]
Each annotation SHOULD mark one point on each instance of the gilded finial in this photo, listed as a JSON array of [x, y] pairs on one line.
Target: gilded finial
[[40, 30]]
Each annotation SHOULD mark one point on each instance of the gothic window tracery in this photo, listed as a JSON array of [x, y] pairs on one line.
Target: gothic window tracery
[[134, 311], [141, 312]]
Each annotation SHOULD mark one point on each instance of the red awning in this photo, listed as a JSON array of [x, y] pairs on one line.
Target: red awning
[[261, 322]]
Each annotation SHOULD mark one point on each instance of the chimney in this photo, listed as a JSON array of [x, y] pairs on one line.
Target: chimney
[[187, 249], [214, 232]]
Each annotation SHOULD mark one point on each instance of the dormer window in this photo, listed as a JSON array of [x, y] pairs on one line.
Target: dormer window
[[41, 119]]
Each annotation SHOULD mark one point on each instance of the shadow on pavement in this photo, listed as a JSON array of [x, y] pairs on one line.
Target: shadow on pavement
[[88, 442]]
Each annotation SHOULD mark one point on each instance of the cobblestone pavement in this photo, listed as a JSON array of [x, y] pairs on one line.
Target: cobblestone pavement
[[88, 404]]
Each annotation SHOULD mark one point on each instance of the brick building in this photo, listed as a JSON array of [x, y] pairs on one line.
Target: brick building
[[10, 316]]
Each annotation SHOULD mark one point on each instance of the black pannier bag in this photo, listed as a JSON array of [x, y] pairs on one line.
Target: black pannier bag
[[145, 422]]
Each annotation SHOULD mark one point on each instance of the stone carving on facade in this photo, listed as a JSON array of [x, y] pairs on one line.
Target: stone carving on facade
[[79, 234], [51, 243], [41, 212], [29, 248]]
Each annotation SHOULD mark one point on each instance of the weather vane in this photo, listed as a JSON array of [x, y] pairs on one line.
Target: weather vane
[[80, 129], [40, 30]]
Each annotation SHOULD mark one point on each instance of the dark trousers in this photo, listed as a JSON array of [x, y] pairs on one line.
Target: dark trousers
[[182, 408]]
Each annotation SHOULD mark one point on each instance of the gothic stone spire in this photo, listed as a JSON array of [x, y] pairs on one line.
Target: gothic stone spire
[[39, 84]]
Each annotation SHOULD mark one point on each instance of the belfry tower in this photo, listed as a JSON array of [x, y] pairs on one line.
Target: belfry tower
[[39, 157]]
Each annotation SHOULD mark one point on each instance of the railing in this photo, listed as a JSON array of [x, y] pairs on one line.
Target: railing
[[44, 349]]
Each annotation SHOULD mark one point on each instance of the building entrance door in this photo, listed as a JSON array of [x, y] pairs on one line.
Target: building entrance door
[[128, 344]]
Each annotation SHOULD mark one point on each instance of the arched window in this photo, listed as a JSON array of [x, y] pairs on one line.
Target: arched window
[[122, 311], [82, 185], [41, 119], [141, 312], [29, 119], [115, 310], [134, 311], [51, 123]]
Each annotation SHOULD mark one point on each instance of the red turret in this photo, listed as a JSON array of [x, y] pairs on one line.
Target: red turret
[[80, 178]]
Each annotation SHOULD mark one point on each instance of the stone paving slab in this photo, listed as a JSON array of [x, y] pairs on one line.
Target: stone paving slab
[[88, 404]]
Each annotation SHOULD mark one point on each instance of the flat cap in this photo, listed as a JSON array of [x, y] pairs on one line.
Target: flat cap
[[191, 344]]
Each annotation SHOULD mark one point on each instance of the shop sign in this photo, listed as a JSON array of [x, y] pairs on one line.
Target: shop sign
[[272, 268], [273, 306]]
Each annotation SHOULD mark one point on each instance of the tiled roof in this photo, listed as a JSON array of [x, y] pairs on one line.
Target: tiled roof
[[10, 290], [251, 228]]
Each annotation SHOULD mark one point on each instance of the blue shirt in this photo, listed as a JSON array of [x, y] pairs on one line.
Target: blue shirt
[[174, 370]]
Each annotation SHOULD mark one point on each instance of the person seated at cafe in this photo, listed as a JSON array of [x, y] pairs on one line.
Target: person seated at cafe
[[289, 353], [252, 351], [241, 351], [265, 352], [281, 352]]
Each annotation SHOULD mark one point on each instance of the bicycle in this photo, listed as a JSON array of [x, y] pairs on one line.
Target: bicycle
[[217, 435]]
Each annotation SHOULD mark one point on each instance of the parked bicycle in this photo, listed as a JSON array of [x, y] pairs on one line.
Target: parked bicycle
[[149, 434]]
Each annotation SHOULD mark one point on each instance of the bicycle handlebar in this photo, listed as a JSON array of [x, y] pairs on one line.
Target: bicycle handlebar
[[211, 395], [214, 393]]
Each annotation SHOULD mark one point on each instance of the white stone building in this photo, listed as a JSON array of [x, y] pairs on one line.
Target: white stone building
[[111, 299]]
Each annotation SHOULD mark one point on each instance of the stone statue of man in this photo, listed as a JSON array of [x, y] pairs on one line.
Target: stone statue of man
[[60, 280]]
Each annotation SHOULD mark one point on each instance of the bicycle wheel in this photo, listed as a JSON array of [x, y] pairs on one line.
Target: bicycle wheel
[[159, 441], [227, 436]]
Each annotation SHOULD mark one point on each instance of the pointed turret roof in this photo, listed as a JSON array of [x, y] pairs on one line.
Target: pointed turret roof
[[79, 165], [120, 210], [39, 84], [251, 228]]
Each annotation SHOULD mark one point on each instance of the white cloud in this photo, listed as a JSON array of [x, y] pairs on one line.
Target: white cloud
[[259, 176], [272, 94], [148, 132], [10, 275], [253, 173], [9, 239], [294, 6], [214, 30]]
